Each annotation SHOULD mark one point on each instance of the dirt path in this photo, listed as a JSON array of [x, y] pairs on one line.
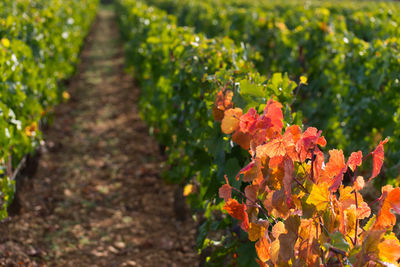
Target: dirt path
[[97, 198]]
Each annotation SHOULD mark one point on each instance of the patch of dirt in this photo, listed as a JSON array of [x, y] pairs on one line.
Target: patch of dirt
[[97, 198]]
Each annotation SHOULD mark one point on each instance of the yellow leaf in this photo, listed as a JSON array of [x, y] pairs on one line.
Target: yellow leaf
[[303, 80], [187, 190], [31, 129], [389, 250], [66, 95], [319, 196], [256, 231], [231, 120], [5, 42]]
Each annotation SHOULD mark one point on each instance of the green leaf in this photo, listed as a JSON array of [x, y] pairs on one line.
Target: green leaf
[[251, 89], [337, 241]]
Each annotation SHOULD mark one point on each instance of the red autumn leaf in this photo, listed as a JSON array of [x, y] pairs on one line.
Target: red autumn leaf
[[274, 148], [259, 137], [217, 114], [276, 204], [273, 116], [225, 192], [295, 131], [355, 160], [287, 181], [291, 136], [318, 163], [275, 162], [237, 211], [248, 121], [390, 200], [336, 163], [242, 139], [334, 169], [337, 181], [251, 194], [377, 159], [308, 141], [248, 168]]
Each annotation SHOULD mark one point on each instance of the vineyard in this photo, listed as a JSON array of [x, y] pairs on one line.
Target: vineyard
[[276, 133]]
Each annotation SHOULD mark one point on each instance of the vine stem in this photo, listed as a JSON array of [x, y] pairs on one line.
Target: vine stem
[[355, 196], [364, 158], [312, 165], [322, 225], [302, 186], [373, 202]]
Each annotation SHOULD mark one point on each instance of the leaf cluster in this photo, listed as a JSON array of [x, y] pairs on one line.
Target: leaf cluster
[[348, 50]]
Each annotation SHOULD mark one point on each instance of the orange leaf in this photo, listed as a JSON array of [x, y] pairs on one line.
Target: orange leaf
[[378, 246], [335, 169], [256, 231], [274, 148], [295, 131], [347, 200], [291, 137], [262, 248], [223, 102], [390, 200], [389, 249], [355, 160], [377, 159], [305, 244], [278, 229], [231, 120], [336, 163], [237, 211], [275, 162], [363, 211]]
